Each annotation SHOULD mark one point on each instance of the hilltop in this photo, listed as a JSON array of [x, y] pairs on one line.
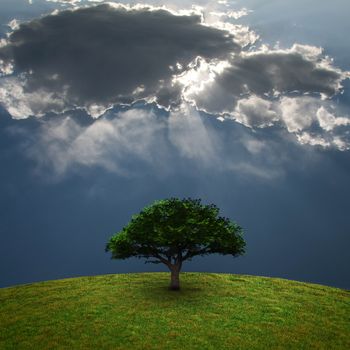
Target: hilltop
[[137, 311]]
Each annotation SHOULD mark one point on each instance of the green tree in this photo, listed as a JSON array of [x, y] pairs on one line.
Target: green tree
[[171, 231]]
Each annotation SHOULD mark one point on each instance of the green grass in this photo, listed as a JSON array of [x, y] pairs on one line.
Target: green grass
[[137, 311]]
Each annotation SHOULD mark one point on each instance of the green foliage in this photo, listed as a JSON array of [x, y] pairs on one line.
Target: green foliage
[[173, 230]]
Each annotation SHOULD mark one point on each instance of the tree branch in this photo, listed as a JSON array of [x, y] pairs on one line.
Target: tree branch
[[190, 253], [164, 261]]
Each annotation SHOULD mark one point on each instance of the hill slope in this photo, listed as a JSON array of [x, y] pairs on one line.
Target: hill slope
[[137, 311]]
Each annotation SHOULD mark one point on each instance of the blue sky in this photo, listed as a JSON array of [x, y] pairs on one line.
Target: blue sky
[[106, 108]]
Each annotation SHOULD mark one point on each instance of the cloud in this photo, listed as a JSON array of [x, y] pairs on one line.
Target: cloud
[[21, 103], [63, 144], [329, 121], [96, 58], [268, 73], [13, 24], [297, 113], [292, 88], [255, 112], [109, 54], [121, 141], [137, 142], [313, 121]]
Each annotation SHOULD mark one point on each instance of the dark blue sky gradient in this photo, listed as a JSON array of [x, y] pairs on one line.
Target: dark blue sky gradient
[[296, 226]]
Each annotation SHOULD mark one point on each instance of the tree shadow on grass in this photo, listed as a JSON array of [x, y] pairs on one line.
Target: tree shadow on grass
[[160, 293]]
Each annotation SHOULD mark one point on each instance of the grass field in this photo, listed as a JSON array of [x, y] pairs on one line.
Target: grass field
[[137, 311]]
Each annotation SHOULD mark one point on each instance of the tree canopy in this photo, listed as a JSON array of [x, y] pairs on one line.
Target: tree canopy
[[173, 230]]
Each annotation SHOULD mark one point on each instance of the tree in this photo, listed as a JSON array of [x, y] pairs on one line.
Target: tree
[[171, 231]]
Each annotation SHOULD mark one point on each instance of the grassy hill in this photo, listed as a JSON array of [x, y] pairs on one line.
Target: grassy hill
[[137, 311]]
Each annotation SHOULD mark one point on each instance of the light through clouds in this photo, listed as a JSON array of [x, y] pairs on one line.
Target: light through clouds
[[96, 58]]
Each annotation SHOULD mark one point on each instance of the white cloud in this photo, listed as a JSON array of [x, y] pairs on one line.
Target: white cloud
[[254, 146], [300, 116], [13, 24], [306, 138], [328, 121], [255, 112], [297, 113], [239, 13], [96, 111], [308, 51], [243, 35], [22, 104], [340, 144], [231, 14], [6, 68], [63, 143], [3, 42]]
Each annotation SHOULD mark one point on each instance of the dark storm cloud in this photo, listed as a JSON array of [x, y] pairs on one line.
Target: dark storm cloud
[[281, 71], [293, 88], [106, 54], [94, 58], [299, 70]]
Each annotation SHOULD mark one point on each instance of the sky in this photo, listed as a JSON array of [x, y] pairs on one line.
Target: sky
[[107, 107]]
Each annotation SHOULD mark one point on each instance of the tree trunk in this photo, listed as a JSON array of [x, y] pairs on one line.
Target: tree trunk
[[175, 277]]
